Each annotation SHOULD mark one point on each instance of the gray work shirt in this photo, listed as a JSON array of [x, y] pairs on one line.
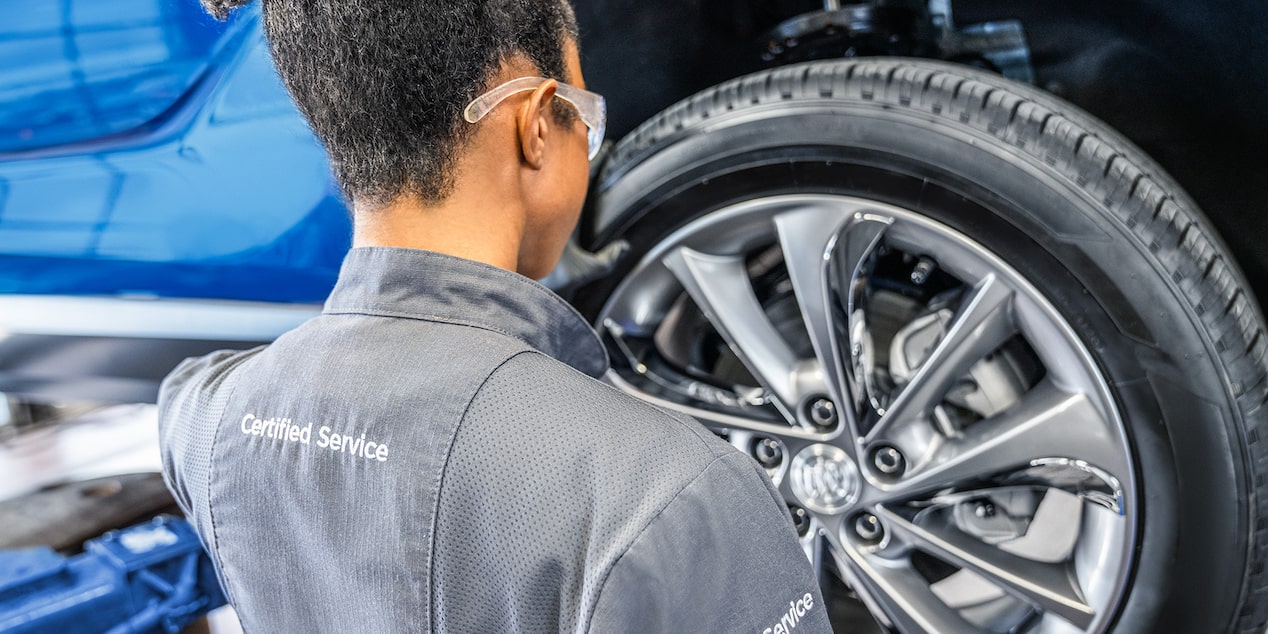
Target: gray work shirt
[[433, 453]]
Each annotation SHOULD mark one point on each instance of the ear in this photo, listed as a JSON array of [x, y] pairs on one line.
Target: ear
[[534, 121]]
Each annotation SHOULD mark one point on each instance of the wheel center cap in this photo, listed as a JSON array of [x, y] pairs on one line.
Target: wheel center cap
[[824, 478]]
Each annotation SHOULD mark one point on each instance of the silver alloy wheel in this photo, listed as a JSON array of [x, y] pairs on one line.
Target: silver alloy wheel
[[962, 460]]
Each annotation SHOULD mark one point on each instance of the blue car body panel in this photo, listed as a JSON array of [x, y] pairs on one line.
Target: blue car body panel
[[75, 71], [147, 150]]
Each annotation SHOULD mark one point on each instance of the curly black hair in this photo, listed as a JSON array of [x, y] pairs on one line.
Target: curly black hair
[[383, 82]]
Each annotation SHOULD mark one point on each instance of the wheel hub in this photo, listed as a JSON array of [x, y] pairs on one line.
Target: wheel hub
[[824, 478]]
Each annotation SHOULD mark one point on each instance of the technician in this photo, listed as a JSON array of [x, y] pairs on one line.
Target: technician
[[434, 452]]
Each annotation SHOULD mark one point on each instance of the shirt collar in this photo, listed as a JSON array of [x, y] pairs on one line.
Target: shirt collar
[[433, 286]]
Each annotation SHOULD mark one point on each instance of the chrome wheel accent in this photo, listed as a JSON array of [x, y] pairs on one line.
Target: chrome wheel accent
[[953, 441], [824, 479]]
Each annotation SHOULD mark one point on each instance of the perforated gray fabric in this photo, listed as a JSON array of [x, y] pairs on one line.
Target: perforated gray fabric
[[187, 454], [187, 448], [563, 494], [551, 478], [715, 560]]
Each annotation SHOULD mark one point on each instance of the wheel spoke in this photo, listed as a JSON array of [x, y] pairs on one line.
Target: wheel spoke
[[719, 421], [1047, 423], [982, 326], [1076, 477], [898, 593], [816, 549], [816, 241], [1048, 586], [721, 288]]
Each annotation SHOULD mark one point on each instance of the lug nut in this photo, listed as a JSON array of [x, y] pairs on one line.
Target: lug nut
[[822, 412], [888, 460], [920, 273], [800, 518], [768, 452], [869, 528]]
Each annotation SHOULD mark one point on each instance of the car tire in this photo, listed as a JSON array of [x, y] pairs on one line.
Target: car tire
[[1012, 183]]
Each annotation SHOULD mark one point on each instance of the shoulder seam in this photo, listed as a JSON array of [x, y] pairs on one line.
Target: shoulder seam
[[607, 574], [211, 476], [440, 485]]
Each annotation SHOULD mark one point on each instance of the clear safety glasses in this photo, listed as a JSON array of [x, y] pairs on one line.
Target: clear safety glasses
[[591, 107]]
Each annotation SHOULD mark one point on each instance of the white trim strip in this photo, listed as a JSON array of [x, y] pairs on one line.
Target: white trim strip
[[153, 318]]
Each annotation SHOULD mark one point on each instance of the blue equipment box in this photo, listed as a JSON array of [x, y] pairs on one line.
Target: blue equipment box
[[152, 577]]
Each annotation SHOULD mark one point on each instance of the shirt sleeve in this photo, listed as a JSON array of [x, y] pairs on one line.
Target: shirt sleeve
[[191, 400], [722, 556]]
